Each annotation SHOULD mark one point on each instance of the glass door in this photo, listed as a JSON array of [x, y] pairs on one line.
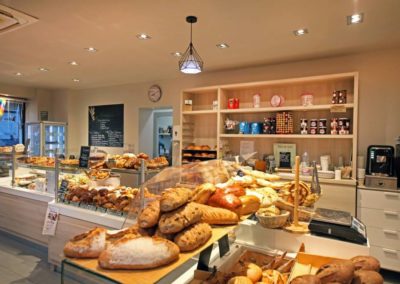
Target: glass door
[[55, 135]]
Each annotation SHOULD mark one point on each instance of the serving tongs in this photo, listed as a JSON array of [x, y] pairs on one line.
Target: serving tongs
[[315, 186]]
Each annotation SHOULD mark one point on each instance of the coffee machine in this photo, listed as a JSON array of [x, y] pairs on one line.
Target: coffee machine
[[380, 172]]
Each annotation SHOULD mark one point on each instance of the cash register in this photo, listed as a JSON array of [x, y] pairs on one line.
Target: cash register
[[339, 225]]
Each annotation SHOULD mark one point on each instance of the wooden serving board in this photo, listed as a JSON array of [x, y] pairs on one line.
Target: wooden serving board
[[150, 275]]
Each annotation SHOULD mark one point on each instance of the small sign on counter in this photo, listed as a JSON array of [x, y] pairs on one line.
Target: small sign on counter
[[84, 157], [51, 220]]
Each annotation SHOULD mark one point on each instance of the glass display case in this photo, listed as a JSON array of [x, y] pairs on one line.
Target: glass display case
[[46, 138]]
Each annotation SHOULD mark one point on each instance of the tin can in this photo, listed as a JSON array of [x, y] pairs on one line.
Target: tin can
[[313, 122], [334, 123], [231, 103], [255, 128], [322, 122], [236, 103], [322, 130], [304, 131], [342, 97], [334, 132], [244, 127], [303, 123], [335, 97], [313, 130]]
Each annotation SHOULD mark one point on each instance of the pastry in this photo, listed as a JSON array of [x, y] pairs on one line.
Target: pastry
[[205, 147], [149, 215], [367, 277], [235, 190], [193, 237], [197, 148], [271, 276], [169, 237], [19, 148], [227, 201], [240, 280], [366, 263], [340, 271], [132, 252], [202, 193], [306, 279], [86, 245], [176, 221], [253, 271], [250, 204], [173, 198], [217, 216]]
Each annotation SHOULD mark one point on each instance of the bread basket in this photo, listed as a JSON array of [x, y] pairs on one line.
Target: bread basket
[[273, 222]]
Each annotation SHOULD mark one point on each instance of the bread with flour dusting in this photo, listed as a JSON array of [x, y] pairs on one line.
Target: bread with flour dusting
[[87, 245]]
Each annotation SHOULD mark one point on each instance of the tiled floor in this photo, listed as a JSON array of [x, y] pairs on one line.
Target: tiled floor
[[22, 262]]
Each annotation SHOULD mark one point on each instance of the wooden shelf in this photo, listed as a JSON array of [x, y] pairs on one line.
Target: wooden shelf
[[196, 112], [296, 136], [286, 108]]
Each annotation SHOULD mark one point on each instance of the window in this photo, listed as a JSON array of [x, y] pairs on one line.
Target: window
[[12, 120]]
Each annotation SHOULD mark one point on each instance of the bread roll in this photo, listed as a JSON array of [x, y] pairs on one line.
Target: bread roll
[[86, 245], [176, 221], [217, 216], [250, 204], [306, 279], [202, 193], [367, 277], [133, 252], [227, 201], [366, 263], [149, 215], [159, 234], [173, 198], [193, 237], [240, 280], [341, 271]]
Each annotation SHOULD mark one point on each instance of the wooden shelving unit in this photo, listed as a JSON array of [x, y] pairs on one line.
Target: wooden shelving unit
[[205, 125]]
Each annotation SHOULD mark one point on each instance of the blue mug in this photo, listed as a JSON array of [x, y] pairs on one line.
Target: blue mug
[[244, 127], [256, 128]]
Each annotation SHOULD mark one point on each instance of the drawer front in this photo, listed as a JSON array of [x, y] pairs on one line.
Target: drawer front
[[389, 258], [379, 199], [382, 218], [385, 237], [381, 182]]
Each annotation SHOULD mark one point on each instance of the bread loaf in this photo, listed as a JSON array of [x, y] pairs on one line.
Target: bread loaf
[[173, 198], [202, 193], [306, 279], [240, 280], [159, 234], [133, 252], [149, 215], [227, 201], [366, 263], [367, 277], [250, 204], [217, 216], [177, 220], [86, 245], [193, 237], [340, 271]]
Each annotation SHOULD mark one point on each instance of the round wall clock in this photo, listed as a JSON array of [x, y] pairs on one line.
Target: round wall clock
[[155, 93]]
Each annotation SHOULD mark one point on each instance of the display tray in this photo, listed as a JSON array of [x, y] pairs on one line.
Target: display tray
[[196, 151], [148, 275]]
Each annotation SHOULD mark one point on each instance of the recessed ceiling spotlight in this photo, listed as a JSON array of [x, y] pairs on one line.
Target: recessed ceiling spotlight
[[18, 74], [91, 49], [74, 63], [355, 19], [176, 54], [223, 45], [143, 36], [43, 69], [300, 32], [76, 80]]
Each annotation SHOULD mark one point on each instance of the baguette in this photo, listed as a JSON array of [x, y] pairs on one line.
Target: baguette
[[173, 198], [86, 245], [217, 216], [133, 252], [176, 221], [193, 237], [149, 215]]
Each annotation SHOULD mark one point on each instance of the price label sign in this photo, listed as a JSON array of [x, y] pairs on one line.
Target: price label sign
[[84, 157], [63, 186], [50, 222], [338, 109]]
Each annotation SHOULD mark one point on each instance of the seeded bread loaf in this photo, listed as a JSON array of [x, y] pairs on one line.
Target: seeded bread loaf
[[340, 271], [177, 220], [367, 277], [193, 237], [149, 215], [169, 237], [217, 216], [86, 245], [173, 198], [366, 263]]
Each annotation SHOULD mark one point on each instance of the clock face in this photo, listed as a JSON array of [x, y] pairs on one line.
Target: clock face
[[155, 93]]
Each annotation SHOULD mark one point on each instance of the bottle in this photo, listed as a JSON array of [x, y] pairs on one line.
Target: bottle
[[256, 100], [397, 160], [305, 162]]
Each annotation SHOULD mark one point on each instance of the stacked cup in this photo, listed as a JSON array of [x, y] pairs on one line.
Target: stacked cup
[[360, 176]]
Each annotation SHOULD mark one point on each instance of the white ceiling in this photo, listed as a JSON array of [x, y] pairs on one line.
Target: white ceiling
[[258, 31]]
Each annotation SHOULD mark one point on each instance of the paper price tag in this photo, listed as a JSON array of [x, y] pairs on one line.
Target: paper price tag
[[50, 222], [338, 108]]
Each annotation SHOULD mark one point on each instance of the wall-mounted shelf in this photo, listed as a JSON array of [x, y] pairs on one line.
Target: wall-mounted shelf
[[197, 112], [287, 108], [294, 136]]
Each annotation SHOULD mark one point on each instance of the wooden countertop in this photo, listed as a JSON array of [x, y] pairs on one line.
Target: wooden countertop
[[149, 275]]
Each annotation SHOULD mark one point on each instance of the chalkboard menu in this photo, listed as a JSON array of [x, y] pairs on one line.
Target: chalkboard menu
[[106, 125]]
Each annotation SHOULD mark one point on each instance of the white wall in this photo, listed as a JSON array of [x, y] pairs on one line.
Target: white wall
[[146, 130]]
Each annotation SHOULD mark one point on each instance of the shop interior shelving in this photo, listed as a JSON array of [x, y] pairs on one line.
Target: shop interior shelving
[[204, 124]]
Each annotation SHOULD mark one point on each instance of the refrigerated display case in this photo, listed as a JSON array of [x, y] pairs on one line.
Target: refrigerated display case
[[46, 137]]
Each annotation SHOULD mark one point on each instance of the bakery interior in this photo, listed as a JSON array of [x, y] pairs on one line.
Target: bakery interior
[[200, 141]]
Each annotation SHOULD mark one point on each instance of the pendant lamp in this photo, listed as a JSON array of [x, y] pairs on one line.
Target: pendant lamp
[[190, 62]]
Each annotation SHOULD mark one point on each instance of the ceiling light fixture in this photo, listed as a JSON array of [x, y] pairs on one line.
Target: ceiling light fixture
[[43, 69], [355, 19], [91, 49], [76, 80], [176, 54], [143, 36], [223, 45], [300, 32], [74, 63], [18, 74], [191, 62]]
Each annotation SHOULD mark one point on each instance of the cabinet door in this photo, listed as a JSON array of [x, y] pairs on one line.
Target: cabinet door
[[338, 197], [379, 199]]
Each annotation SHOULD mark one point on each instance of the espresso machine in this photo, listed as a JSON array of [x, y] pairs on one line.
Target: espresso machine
[[380, 171]]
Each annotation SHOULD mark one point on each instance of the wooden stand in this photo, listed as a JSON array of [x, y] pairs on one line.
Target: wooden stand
[[296, 226]]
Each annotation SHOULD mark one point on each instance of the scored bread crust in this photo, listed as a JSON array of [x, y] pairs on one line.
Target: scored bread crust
[[86, 245], [149, 215], [193, 237], [217, 216], [143, 252], [176, 221], [173, 198]]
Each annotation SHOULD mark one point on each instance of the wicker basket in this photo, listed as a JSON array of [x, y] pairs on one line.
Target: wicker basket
[[273, 222]]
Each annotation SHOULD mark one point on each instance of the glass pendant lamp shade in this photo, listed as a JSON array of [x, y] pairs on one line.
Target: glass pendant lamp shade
[[190, 62]]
